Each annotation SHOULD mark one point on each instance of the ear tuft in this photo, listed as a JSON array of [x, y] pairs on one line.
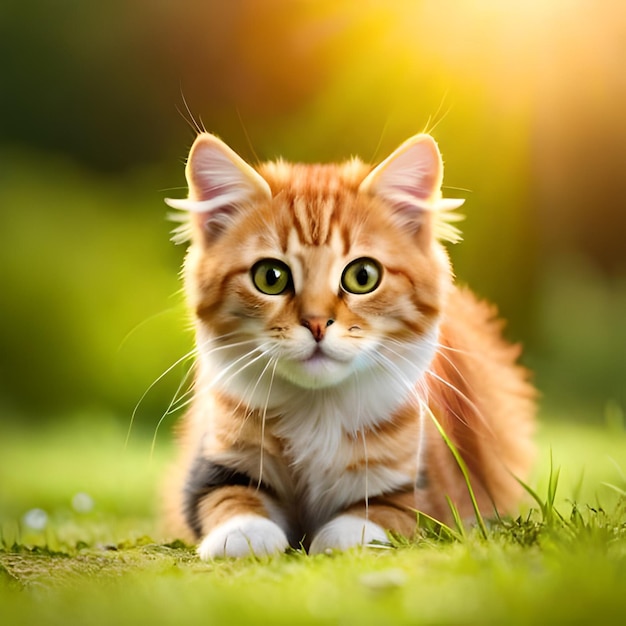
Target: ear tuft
[[410, 181], [220, 183]]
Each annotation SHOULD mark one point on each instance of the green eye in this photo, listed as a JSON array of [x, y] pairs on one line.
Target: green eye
[[361, 276], [271, 277]]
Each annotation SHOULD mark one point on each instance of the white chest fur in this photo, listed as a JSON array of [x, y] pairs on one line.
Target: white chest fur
[[324, 429]]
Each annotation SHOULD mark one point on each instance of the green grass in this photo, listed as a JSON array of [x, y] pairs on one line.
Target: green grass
[[562, 561]]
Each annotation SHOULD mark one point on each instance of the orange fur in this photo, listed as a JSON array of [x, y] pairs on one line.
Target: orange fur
[[313, 406]]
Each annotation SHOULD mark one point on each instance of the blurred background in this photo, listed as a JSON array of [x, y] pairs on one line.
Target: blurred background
[[526, 99]]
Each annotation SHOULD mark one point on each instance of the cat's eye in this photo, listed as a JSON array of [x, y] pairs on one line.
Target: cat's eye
[[271, 277], [361, 276]]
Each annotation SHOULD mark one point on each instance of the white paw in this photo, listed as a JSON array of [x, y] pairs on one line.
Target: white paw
[[346, 531], [243, 535]]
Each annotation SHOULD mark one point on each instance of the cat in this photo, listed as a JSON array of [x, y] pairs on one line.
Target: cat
[[332, 346]]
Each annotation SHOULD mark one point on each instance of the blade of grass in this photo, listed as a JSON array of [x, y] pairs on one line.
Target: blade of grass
[[457, 518], [547, 505], [443, 527], [463, 467], [615, 488]]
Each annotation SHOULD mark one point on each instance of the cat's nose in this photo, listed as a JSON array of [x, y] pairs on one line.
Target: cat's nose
[[317, 326]]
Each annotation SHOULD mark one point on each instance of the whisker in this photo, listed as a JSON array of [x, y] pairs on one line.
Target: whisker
[[367, 491], [247, 136], [184, 399], [226, 346], [178, 401], [250, 394], [191, 121], [414, 397], [439, 346], [472, 355], [474, 407], [169, 410], [181, 405], [246, 397], [359, 408], [458, 392], [387, 363], [226, 369], [468, 401], [175, 404], [143, 323], [182, 359], [267, 400], [435, 119]]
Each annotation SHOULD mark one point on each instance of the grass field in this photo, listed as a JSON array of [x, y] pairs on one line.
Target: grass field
[[80, 545]]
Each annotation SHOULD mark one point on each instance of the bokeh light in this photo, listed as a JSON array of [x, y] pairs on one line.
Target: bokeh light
[[526, 100]]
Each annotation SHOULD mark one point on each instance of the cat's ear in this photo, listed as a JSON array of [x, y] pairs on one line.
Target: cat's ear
[[409, 180], [220, 184]]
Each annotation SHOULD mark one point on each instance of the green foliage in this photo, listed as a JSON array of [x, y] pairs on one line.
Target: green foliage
[[92, 308], [581, 337]]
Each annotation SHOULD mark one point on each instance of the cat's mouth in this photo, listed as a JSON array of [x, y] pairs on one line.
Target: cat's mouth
[[318, 369], [320, 356], [317, 356]]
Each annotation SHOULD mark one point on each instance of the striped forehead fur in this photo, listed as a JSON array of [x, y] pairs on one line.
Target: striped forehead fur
[[313, 194], [302, 177]]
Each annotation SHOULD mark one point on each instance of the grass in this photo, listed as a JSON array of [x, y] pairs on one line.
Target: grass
[[562, 561]]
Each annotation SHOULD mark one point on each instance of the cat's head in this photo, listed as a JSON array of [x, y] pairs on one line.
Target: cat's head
[[316, 273]]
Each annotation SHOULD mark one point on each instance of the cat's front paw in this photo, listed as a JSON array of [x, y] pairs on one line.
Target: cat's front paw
[[243, 535], [346, 531]]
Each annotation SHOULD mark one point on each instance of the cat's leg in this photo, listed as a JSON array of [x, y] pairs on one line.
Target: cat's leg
[[230, 517]]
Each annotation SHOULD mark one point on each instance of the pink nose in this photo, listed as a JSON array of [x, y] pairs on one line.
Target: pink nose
[[317, 326]]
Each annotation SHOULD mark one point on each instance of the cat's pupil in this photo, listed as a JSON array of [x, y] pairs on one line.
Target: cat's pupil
[[362, 276], [272, 276]]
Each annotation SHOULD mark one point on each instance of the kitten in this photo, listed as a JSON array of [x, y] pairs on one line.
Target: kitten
[[330, 337]]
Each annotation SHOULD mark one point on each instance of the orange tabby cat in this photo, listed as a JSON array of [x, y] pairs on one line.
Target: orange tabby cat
[[330, 336]]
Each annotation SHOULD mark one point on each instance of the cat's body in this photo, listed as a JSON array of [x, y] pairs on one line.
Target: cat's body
[[330, 339]]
